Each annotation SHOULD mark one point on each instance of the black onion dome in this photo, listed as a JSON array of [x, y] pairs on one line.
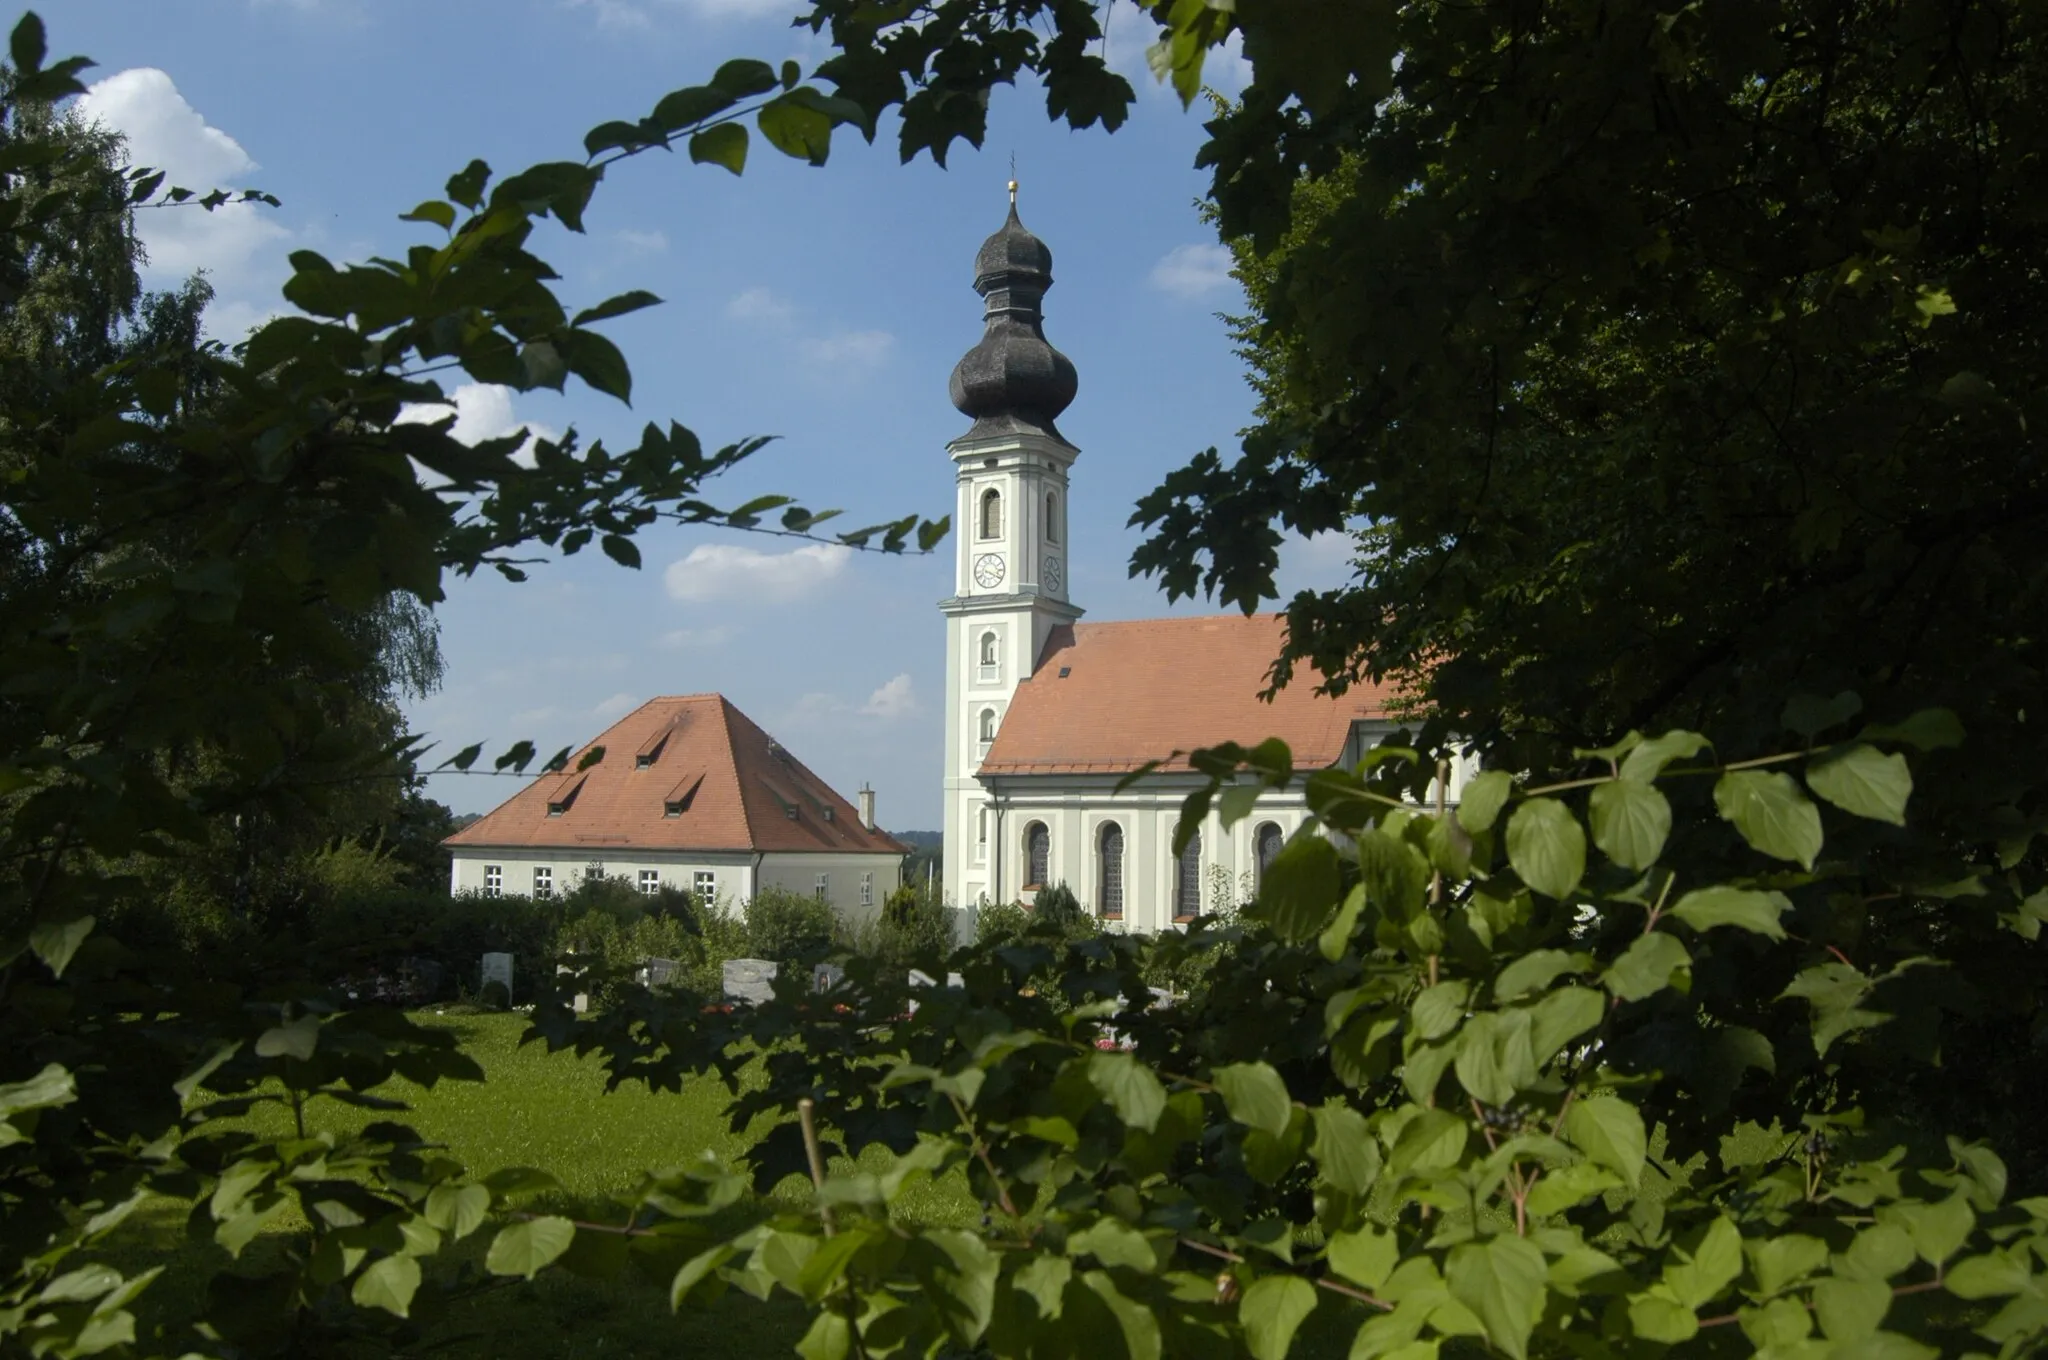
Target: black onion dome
[[1013, 382]]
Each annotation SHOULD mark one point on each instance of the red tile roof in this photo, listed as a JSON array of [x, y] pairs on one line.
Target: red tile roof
[[1107, 697], [739, 788]]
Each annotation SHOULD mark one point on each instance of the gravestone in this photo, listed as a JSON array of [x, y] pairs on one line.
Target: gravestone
[[920, 978], [657, 972], [749, 981], [1161, 999], [826, 976], [497, 968], [955, 980], [579, 1003]]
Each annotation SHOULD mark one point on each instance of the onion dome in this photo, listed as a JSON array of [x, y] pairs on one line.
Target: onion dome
[[1013, 382]]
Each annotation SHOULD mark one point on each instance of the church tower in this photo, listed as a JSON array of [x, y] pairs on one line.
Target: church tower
[[1010, 540]]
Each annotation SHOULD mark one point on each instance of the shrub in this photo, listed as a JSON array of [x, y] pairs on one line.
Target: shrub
[[789, 928], [1057, 906], [913, 930]]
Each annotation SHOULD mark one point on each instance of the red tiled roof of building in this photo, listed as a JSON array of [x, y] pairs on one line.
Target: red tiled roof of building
[[1107, 697], [738, 790]]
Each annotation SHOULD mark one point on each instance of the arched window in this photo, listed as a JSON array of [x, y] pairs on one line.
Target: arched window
[[1266, 843], [988, 649], [988, 724], [1037, 855], [1187, 881], [1110, 879], [991, 513], [1052, 517]]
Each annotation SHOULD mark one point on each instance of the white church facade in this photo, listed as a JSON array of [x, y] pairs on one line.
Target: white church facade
[[1045, 714]]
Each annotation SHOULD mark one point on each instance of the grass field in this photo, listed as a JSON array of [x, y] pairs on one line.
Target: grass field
[[550, 1112]]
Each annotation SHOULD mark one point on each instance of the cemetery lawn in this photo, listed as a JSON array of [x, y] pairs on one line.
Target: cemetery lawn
[[548, 1111]]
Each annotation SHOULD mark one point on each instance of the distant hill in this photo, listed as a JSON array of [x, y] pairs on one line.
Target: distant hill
[[465, 819], [923, 840]]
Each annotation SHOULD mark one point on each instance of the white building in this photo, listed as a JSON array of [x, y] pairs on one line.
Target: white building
[[690, 794], [1045, 714]]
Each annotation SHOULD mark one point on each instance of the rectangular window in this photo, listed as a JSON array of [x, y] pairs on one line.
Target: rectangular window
[[980, 835], [544, 881], [494, 880], [705, 886], [867, 890], [824, 887], [650, 881]]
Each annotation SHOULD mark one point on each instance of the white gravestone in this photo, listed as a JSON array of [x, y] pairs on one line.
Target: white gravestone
[[657, 972], [497, 968], [826, 976], [751, 981]]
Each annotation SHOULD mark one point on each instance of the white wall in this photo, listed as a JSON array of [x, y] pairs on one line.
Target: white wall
[[735, 872], [798, 873]]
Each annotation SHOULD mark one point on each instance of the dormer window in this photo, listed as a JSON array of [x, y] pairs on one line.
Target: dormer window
[[564, 796], [991, 513], [677, 801]]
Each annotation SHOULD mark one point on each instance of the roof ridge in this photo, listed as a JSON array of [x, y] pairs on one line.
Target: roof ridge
[[729, 763]]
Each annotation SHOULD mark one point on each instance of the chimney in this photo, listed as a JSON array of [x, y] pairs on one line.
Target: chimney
[[867, 806]]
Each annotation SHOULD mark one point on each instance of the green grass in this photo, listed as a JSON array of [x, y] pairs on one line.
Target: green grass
[[552, 1112]]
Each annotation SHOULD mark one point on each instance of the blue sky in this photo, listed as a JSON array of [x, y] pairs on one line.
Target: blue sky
[[824, 306]]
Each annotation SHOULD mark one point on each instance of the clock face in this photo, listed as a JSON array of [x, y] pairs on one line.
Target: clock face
[[1052, 573], [988, 570]]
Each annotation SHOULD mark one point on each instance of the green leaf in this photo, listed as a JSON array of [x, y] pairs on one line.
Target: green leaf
[[724, 145], [1630, 822], [1255, 1096], [1655, 1317], [1298, 892], [1756, 912], [796, 128], [458, 1210], [1561, 1016], [1140, 1329], [1992, 1275], [1714, 1264], [28, 45], [1365, 1257], [1931, 729], [1534, 971], [1345, 1149], [50, 1087], [1437, 1010], [1496, 1059], [1938, 1230], [1129, 1087], [1044, 1281], [597, 361], [55, 942], [830, 1338], [1610, 1131], [1654, 962], [1336, 936], [1771, 813], [1809, 715], [1647, 761], [1484, 795], [1783, 1260], [466, 186], [389, 1283], [678, 109], [1502, 1281], [630, 301], [529, 1247], [621, 550], [1547, 847], [1114, 1243], [433, 210], [1850, 1310], [1566, 1186], [1271, 1312], [294, 1039], [743, 78], [1863, 780]]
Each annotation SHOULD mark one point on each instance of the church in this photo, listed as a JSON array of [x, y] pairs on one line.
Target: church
[[1045, 714]]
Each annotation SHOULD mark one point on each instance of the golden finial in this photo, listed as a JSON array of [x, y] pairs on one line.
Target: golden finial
[[1013, 179]]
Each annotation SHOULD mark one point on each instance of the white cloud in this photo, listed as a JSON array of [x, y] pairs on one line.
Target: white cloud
[[617, 706], [482, 411], [716, 571], [645, 242], [241, 246], [860, 351], [761, 305], [696, 639], [893, 700], [1193, 271]]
